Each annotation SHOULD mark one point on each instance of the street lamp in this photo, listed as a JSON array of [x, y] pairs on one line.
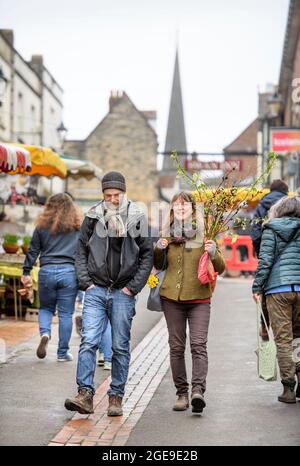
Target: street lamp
[[275, 105], [62, 132], [270, 118], [3, 84]]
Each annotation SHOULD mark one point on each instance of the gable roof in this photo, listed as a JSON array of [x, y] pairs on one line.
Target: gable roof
[[246, 142], [117, 101]]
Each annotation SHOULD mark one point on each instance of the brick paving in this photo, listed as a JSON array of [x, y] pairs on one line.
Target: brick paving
[[149, 364], [17, 332]]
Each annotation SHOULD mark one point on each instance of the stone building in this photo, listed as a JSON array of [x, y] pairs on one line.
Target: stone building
[[126, 141], [31, 108]]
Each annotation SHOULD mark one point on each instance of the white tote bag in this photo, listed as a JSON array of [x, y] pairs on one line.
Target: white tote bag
[[266, 352]]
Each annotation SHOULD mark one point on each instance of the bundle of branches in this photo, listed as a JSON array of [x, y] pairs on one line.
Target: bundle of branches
[[223, 202]]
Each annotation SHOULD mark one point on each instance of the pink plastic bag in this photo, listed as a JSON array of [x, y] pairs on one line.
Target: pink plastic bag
[[206, 271]]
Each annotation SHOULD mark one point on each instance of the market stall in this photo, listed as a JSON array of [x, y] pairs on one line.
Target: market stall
[[24, 160], [11, 267]]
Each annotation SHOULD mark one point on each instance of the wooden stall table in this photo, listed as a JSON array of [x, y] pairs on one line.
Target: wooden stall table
[[11, 265]]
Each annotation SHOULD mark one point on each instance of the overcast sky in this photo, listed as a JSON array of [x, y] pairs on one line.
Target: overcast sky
[[226, 49]]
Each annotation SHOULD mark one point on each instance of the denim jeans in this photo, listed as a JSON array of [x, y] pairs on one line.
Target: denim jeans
[[100, 305], [57, 287], [105, 346]]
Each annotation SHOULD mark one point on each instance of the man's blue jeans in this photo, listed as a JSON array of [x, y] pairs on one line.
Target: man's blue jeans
[[101, 304], [57, 287]]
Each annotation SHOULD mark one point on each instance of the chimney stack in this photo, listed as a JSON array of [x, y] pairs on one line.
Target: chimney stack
[[115, 97], [37, 63]]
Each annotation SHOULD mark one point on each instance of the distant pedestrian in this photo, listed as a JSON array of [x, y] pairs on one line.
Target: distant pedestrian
[[105, 348], [184, 299], [105, 345], [54, 241], [278, 277], [278, 189]]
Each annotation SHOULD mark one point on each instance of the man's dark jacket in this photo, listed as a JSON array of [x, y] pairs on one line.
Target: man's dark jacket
[[135, 259], [261, 212]]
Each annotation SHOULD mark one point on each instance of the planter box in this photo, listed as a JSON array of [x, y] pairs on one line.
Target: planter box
[[32, 315]]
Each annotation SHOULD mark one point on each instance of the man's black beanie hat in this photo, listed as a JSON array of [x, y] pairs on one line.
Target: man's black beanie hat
[[114, 180]]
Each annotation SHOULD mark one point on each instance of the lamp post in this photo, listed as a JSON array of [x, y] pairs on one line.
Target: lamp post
[[275, 105], [62, 132], [272, 117]]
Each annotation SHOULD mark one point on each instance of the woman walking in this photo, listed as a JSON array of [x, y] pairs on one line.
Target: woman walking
[[278, 277], [54, 241], [184, 299]]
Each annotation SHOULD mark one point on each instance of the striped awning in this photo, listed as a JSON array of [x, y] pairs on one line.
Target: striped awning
[[14, 159]]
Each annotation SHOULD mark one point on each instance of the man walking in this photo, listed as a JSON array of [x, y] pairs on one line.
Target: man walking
[[114, 259], [278, 189]]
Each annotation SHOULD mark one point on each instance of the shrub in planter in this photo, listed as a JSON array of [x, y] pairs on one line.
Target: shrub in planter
[[26, 243], [10, 243]]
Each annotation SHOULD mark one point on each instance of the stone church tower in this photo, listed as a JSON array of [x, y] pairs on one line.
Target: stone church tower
[[125, 141]]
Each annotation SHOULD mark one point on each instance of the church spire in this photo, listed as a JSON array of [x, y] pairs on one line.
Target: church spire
[[175, 139]]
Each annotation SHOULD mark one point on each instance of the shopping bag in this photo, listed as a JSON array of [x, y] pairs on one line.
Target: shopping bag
[[266, 352], [154, 300], [206, 271]]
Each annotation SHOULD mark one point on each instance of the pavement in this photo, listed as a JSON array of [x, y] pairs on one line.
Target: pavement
[[33, 391], [241, 408]]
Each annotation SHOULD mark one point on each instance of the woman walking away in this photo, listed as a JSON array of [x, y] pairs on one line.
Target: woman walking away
[[54, 241], [278, 277], [184, 299]]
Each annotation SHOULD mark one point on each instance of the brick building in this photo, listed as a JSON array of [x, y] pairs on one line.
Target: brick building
[[288, 92], [244, 149]]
